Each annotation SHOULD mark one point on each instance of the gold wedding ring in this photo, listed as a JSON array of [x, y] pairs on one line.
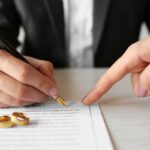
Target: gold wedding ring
[[5, 122], [19, 118]]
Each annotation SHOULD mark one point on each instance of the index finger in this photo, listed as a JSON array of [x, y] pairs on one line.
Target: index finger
[[118, 70], [26, 74]]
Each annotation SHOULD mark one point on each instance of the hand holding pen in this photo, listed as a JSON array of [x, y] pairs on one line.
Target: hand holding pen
[[24, 81]]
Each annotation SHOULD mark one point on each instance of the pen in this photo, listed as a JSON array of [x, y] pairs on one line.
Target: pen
[[5, 45]]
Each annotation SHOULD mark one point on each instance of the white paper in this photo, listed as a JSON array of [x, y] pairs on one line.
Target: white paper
[[77, 127]]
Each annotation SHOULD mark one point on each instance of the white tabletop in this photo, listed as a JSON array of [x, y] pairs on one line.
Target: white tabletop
[[127, 117]]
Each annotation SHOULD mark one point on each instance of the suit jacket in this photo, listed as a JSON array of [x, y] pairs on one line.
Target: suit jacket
[[116, 25]]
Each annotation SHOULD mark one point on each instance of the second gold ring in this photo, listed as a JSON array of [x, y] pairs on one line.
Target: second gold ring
[[19, 119], [5, 122]]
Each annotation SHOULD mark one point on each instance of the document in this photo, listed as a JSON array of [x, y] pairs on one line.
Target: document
[[54, 127]]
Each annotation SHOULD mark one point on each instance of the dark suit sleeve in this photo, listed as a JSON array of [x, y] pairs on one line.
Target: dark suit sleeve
[[9, 21]]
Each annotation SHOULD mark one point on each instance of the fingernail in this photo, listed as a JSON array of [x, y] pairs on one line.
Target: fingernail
[[83, 98], [84, 101], [141, 91], [53, 92]]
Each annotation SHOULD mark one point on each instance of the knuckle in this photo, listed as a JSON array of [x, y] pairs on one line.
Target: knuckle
[[135, 47], [48, 65], [44, 86], [97, 94], [21, 92], [25, 73], [109, 80]]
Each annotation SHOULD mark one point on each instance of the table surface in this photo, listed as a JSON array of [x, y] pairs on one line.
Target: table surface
[[127, 117]]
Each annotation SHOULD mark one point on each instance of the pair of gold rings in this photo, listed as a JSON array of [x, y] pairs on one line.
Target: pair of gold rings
[[17, 118]]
